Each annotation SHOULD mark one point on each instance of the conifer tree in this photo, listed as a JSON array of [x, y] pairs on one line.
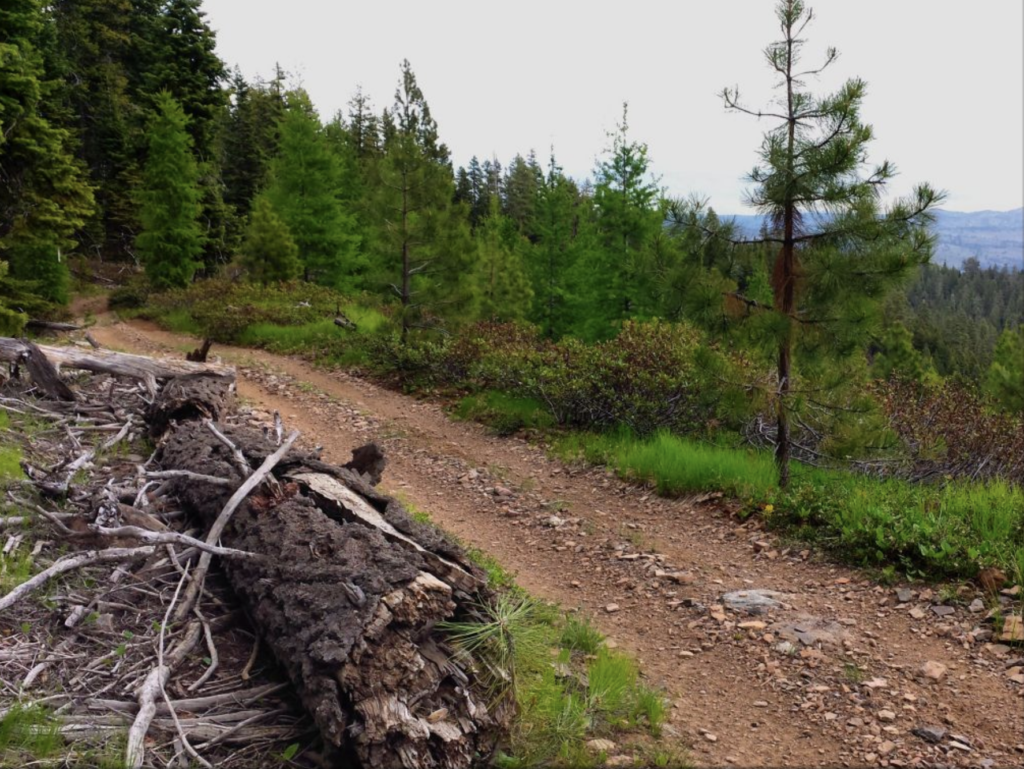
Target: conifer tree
[[838, 251], [562, 237], [502, 284], [170, 244], [1004, 381], [424, 247], [249, 138], [269, 253], [307, 190], [628, 215], [44, 198]]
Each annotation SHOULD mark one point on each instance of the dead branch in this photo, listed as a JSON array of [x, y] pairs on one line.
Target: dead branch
[[217, 528], [68, 563]]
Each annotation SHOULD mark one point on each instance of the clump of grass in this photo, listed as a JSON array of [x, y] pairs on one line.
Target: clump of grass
[[675, 465], [506, 414], [580, 636], [10, 467], [28, 733], [15, 568], [180, 321]]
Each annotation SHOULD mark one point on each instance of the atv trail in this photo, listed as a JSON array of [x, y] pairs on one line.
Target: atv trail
[[744, 690]]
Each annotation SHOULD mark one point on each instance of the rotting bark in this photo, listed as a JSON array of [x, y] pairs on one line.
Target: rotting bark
[[347, 598], [190, 396]]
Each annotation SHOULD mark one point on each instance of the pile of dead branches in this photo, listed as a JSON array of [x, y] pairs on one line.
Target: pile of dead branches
[[163, 539]]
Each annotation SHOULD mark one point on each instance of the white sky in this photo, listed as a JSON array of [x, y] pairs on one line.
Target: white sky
[[945, 79]]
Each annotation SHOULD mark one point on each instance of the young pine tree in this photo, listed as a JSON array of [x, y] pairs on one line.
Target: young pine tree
[[628, 215], [504, 289], [838, 252], [1004, 381], [422, 238], [171, 242], [307, 190], [269, 253]]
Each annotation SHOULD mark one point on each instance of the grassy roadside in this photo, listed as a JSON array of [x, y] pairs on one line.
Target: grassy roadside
[[946, 530], [567, 686], [950, 529]]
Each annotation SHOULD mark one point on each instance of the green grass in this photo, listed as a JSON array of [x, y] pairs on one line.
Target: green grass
[[180, 321], [506, 414], [10, 469], [674, 465], [579, 635], [15, 568], [315, 335], [28, 734], [947, 530]]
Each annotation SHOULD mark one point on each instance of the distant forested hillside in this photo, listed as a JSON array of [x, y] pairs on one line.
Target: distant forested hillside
[[956, 317], [994, 238]]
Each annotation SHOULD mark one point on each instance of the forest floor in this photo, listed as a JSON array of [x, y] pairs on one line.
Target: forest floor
[[835, 675]]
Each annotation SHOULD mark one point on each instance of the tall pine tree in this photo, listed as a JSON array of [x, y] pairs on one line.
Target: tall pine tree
[[170, 244], [424, 248], [308, 188], [838, 252], [44, 198]]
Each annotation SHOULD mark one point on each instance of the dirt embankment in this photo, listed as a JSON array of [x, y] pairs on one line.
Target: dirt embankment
[[830, 676]]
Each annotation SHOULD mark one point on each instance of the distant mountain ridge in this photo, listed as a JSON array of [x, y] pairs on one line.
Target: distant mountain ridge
[[994, 238]]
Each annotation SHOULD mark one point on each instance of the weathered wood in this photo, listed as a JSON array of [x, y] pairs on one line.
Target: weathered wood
[[347, 600], [44, 374], [189, 396], [117, 363], [49, 325], [199, 354]]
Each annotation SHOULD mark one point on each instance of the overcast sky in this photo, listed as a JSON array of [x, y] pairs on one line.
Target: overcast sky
[[945, 79]]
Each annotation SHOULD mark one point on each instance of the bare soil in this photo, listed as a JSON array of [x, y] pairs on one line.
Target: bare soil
[[833, 678]]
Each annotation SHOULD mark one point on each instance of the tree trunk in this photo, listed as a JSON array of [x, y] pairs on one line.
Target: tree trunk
[[347, 594], [117, 363]]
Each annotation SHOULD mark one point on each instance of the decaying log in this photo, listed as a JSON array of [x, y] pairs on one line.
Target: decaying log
[[117, 363], [190, 396], [49, 325], [347, 601], [44, 374]]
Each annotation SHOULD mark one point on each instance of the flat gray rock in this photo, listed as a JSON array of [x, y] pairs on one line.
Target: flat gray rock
[[753, 601]]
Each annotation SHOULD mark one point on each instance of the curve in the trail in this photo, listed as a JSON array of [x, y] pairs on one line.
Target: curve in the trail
[[651, 572]]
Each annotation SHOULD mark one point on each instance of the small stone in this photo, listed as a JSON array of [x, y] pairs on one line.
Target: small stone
[[856, 722], [752, 625], [752, 601], [943, 611], [1012, 592], [886, 748], [611, 608], [904, 595], [886, 715], [960, 746], [601, 746], [917, 613], [977, 605], [760, 704], [710, 737], [877, 683], [931, 734], [685, 653], [1013, 629], [936, 671], [553, 521]]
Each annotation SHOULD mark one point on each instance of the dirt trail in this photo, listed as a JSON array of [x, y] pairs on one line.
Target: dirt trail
[[830, 679]]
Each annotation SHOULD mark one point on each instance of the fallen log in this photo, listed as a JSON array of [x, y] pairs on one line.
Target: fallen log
[[347, 598], [117, 363], [202, 395]]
